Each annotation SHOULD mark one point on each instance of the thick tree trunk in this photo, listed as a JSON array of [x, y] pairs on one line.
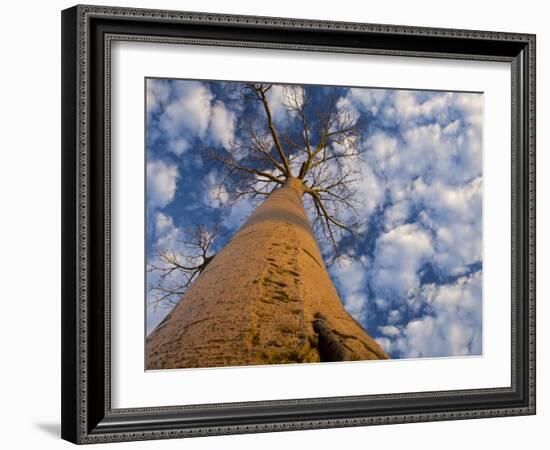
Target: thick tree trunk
[[265, 298]]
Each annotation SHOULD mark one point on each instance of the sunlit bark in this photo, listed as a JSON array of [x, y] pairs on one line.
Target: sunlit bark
[[265, 298]]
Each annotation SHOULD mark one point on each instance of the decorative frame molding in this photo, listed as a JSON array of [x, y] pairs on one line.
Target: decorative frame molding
[[87, 34]]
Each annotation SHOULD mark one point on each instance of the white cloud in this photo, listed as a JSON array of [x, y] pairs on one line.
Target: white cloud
[[404, 107], [370, 189], [452, 326], [383, 152], [167, 234], [386, 344], [439, 133], [157, 94], [369, 99], [161, 183], [355, 304], [426, 151], [351, 276], [390, 330], [163, 224], [472, 106], [382, 303], [397, 214], [454, 213], [394, 316], [432, 167], [408, 106], [215, 194], [351, 273], [458, 246], [458, 201], [399, 254], [178, 146], [278, 97], [452, 128], [190, 110], [222, 125]]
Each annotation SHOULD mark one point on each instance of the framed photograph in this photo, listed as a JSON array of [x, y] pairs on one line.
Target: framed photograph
[[282, 224]]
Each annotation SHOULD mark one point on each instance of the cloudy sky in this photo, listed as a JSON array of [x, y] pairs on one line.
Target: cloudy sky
[[415, 279]]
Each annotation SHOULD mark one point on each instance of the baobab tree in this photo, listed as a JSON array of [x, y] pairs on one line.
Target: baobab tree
[[267, 297]]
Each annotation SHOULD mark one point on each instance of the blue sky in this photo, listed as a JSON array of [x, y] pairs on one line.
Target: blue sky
[[414, 280]]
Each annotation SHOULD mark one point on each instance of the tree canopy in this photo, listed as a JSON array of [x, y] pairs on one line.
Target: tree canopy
[[319, 145]]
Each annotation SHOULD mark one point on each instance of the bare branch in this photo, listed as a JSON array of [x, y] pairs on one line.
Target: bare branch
[[245, 171], [260, 91], [175, 270], [321, 140], [338, 125]]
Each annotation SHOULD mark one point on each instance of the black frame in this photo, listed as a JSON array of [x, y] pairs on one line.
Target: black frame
[[87, 416]]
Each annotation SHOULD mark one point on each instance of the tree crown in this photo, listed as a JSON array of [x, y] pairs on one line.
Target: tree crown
[[319, 144]]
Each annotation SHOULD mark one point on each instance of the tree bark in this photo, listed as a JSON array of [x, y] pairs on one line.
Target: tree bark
[[265, 298]]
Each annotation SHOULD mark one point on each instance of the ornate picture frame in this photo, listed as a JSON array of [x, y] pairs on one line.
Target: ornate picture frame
[[88, 34]]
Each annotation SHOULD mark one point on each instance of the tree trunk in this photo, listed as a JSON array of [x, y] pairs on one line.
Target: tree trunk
[[265, 298]]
